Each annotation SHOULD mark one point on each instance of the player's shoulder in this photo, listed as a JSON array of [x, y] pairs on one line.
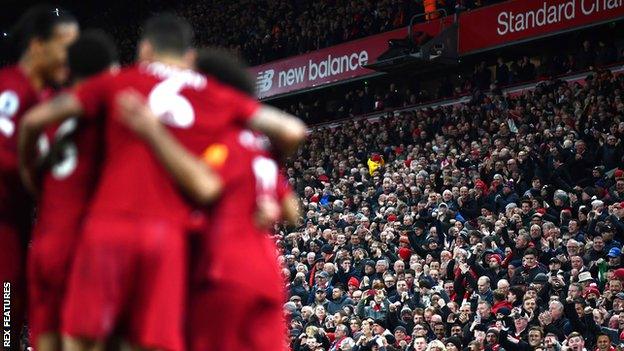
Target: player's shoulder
[[12, 77], [16, 91], [9, 71]]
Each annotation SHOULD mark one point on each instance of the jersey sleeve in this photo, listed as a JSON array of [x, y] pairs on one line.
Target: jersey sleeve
[[283, 187], [93, 94]]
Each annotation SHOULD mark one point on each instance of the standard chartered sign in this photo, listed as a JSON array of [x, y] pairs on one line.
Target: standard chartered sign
[[549, 13]]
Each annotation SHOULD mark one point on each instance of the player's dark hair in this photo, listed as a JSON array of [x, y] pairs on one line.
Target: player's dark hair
[[226, 68], [168, 34], [37, 22], [92, 53]]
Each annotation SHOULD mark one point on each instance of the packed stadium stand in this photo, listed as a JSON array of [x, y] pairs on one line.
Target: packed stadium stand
[[468, 205]]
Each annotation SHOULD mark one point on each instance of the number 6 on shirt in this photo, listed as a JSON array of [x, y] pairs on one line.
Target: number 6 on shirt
[[171, 108]]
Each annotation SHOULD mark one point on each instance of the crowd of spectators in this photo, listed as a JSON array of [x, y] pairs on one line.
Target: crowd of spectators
[[263, 31], [408, 91], [491, 225]]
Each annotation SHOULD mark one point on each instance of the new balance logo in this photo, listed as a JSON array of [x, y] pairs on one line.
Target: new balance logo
[[264, 81]]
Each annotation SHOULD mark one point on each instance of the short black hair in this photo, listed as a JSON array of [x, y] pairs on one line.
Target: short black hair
[[226, 68], [37, 22], [92, 53], [530, 251], [168, 34]]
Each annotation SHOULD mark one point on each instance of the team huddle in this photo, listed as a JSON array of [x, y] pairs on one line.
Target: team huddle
[[147, 181]]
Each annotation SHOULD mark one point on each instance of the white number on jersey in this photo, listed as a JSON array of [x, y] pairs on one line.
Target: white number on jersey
[[9, 104], [66, 149], [265, 170], [172, 108]]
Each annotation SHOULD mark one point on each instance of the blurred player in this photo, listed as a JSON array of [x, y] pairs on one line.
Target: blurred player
[[41, 37], [252, 196], [237, 269], [130, 267], [70, 176]]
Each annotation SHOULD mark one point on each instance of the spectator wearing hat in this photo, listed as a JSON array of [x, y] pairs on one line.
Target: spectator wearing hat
[[492, 339], [542, 287], [608, 233], [453, 343], [585, 278], [320, 299], [431, 247], [521, 324], [401, 337], [321, 289], [614, 260], [554, 268], [327, 253], [507, 196], [494, 269], [375, 162]]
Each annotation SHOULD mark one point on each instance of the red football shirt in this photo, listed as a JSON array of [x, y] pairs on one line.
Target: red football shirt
[[16, 96], [234, 249], [72, 175], [195, 108]]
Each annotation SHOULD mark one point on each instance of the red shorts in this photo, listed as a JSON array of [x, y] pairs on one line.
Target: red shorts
[[48, 269], [128, 277], [227, 317], [12, 276]]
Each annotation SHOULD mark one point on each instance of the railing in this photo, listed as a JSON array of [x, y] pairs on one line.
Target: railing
[[410, 33]]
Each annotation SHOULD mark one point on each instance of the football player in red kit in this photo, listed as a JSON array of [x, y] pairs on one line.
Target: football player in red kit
[[41, 37], [130, 266], [70, 175], [237, 269]]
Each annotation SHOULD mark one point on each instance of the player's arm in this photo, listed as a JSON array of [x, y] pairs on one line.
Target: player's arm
[[61, 107], [193, 175], [290, 208], [285, 131]]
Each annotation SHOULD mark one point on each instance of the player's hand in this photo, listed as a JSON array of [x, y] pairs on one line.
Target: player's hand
[[135, 114], [268, 212]]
